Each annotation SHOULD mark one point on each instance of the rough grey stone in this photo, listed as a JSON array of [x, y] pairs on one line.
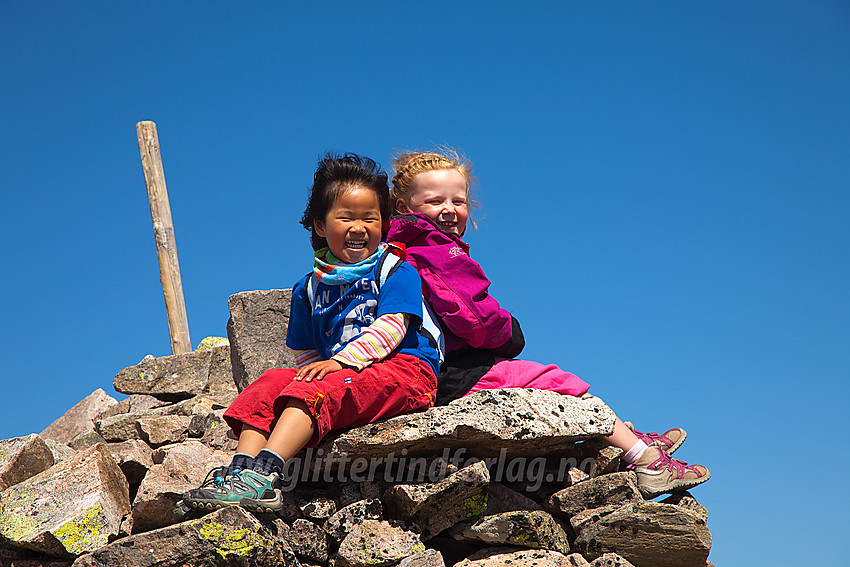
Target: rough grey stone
[[308, 541], [164, 430], [216, 433], [610, 560], [616, 488], [228, 537], [437, 506], [220, 385], [85, 440], [523, 422], [500, 499], [74, 507], [516, 558], [376, 543], [344, 520], [80, 418], [648, 534], [688, 502], [22, 458], [535, 529], [427, 558], [257, 333], [317, 507], [122, 427]]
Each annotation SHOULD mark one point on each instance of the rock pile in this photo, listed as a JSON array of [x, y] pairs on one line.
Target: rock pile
[[509, 477]]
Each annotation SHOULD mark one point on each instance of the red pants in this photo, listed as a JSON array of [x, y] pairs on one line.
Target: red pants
[[347, 398]]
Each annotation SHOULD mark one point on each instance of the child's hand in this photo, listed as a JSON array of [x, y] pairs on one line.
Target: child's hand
[[317, 370]]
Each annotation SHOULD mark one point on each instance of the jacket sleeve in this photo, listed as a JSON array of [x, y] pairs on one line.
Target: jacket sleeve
[[457, 291]]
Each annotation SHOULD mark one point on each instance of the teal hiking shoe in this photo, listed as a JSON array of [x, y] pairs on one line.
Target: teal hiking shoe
[[260, 492]]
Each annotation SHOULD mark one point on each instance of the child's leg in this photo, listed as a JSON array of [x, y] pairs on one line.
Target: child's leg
[[293, 430]]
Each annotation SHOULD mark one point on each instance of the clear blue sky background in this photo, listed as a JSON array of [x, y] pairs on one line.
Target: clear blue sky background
[[664, 191]]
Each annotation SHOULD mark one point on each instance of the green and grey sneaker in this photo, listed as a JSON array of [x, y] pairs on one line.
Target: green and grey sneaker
[[257, 489]]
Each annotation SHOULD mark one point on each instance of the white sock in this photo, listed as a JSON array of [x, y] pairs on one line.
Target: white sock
[[635, 452]]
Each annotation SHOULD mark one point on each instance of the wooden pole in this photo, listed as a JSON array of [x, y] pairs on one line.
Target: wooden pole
[[163, 231]]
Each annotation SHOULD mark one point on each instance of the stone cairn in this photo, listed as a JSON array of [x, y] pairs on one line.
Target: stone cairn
[[505, 477]]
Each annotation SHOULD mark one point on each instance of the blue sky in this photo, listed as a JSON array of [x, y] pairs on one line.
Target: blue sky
[[663, 188]]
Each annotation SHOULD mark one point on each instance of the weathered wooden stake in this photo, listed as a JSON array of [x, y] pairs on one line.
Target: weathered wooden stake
[[163, 231]]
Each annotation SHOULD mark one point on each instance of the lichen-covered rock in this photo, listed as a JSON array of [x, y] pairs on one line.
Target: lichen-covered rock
[[257, 333], [208, 343], [535, 529], [517, 558], [616, 488], [230, 536], [308, 541], [22, 458], [69, 509], [80, 418], [523, 422], [648, 534], [176, 469], [437, 506], [376, 543], [343, 521], [173, 377]]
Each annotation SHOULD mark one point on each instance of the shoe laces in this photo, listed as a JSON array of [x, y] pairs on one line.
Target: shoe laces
[[674, 465]]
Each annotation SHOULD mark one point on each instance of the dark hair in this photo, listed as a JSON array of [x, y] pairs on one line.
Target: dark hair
[[335, 174]]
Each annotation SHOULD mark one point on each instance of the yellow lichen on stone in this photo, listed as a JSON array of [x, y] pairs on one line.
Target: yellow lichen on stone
[[212, 342], [85, 532], [209, 530], [475, 505], [17, 514], [237, 542]]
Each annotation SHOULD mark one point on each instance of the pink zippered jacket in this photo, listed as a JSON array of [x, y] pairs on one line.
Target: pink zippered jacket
[[453, 284]]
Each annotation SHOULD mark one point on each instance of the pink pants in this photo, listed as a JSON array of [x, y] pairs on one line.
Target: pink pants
[[512, 373]]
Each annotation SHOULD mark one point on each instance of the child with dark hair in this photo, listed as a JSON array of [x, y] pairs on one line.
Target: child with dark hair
[[363, 353]]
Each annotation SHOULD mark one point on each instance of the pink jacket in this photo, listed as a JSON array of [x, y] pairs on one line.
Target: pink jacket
[[453, 284]]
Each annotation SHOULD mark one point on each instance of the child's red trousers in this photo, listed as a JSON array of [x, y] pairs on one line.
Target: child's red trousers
[[347, 398]]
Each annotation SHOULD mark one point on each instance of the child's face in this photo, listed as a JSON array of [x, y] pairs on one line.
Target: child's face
[[352, 226], [441, 196]]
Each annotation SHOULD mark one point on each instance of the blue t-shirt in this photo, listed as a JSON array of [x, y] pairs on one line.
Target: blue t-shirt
[[341, 312]]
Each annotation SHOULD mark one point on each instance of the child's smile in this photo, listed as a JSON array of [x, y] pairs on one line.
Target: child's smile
[[440, 195], [352, 226]]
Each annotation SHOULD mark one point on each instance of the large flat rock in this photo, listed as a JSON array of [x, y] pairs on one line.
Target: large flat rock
[[177, 376], [522, 422], [71, 508]]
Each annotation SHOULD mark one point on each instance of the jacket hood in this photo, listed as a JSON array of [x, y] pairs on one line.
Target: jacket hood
[[418, 230]]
